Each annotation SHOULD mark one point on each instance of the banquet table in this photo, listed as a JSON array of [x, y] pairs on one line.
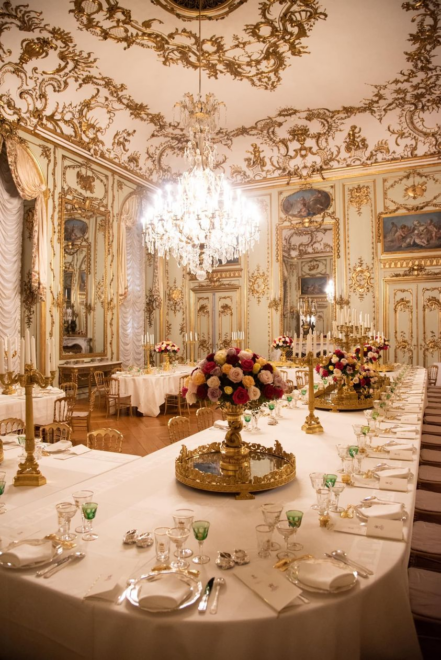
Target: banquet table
[[148, 391], [14, 405], [51, 618]]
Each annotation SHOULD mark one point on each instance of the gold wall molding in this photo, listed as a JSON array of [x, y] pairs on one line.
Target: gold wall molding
[[259, 284], [417, 270], [410, 263], [359, 196], [175, 298], [360, 278]]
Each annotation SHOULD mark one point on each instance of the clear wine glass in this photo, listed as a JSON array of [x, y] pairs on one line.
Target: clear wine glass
[[337, 490], [295, 520], [178, 536], [183, 518], [323, 499], [316, 482], [263, 533], [80, 497], [271, 515], [285, 530], [66, 511], [342, 451], [200, 531], [89, 512]]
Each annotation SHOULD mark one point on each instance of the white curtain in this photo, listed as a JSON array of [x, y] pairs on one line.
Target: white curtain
[[129, 217], [11, 231], [132, 307]]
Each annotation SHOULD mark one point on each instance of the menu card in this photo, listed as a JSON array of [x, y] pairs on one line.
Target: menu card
[[269, 584]]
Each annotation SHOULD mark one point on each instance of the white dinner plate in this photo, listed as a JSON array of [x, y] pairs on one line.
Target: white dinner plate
[[194, 584]]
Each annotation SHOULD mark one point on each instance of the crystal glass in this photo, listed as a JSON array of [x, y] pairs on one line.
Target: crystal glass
[[256, 417], [66, 511], [178, 536], [183, 518], [323, 500], [272, 407], [271, 515], [89, 513], [348, 465], [361, 443], [80, 497], [162, 544], [358, 463], [200, 531], [336, 491], [289, 399], [316, 482], [247, 420], [285, 530], [296, 395], [353, 450], [21, 439], [264, 534], [329, 480], [303, 393], [2, 489], [279, 409], [342, 451], [295, 520]]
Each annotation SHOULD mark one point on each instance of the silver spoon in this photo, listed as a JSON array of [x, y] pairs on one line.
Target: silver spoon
[[48, 572], [219, 582], [374, 499], [342, 556]]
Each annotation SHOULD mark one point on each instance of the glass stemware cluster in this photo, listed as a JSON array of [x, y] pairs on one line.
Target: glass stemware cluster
[[328, 489], [286, 528]]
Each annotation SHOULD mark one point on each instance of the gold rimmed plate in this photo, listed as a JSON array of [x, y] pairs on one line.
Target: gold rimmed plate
[[293, 570], [56, 551], [192, 582]]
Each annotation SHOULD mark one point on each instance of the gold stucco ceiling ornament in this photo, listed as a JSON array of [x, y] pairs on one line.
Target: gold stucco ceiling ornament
[[201, 222]]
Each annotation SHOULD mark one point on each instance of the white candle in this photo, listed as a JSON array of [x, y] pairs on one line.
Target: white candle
[[186, 336], [9, 349], [368, 320], [53, 363], [191, 335], [2, 356], [22, 356], [28, 346], [321, 344], [195, 336], [48, 364], [152, 339], [33, 352]]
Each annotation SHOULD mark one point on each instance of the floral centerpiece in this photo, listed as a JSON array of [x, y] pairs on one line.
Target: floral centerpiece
[[167, 348], [234, 378], [339, 363], [382, 343], [370, 355], [365, 381], [283, 343]]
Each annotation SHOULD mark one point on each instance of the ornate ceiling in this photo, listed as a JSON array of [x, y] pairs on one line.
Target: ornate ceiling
[[309, 85]]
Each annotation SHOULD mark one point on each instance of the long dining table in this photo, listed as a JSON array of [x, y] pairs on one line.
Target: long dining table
[[53, 619], [14, 405]]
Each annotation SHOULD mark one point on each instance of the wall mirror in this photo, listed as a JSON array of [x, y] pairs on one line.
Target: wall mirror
[[83, 237], [307, 266]]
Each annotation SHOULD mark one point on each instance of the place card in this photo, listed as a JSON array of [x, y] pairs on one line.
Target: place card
[[393, 483], [402, 454], [349, 526], [385, 529], [270, 585]]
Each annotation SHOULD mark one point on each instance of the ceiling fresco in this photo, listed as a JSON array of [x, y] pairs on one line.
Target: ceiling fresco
[[309, 85]]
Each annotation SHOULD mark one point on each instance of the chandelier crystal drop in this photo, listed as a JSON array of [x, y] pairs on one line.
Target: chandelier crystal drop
[[201, 221]]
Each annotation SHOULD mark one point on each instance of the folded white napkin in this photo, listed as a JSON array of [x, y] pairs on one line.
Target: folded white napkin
[[221, 425], [61, 445], [392, 511], [9, 439], [324, 576], [25, 554], [397, 473], [167, 592]]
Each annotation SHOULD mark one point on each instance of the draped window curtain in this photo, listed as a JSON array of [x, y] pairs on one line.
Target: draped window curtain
[[131, 283], [11, 232]]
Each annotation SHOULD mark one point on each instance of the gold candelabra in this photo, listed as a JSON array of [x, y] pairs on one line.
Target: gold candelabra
[[28, 473], [147, 346], [312, 422], [7, 380]]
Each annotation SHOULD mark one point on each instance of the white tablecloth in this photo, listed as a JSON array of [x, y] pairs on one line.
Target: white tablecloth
[[14, 406], [148, 392], [50, 620]]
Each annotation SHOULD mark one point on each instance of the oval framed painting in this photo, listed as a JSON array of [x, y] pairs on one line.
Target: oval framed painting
[[306, 203]]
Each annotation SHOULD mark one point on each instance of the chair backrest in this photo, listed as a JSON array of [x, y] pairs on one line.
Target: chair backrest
[[92, 401], [70, 389], [99, 378], [12, 425], [105, 440], [290, 386], [63, 409], [284, 374], [113, 387], [204, 418], [302, 378], [182, 380], [55, 432], [178, 429], [433, 374]]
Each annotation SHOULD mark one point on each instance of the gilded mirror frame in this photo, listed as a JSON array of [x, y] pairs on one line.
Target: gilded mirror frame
[[82, 211], [329, 222]]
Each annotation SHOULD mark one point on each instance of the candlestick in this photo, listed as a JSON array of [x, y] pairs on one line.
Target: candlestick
[[312, 423], [48, 347]]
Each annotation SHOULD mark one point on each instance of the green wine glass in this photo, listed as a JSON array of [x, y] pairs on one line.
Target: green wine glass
[[295, 520], [89, 513], [200, 531]]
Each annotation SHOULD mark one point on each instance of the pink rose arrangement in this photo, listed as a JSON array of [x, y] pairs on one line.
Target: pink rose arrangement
[[365, 381], [166, 347], [383, 343], [282, 342], [338, 364], [234, 376], [370, 354]]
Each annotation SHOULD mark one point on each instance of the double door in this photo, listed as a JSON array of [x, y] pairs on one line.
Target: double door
[[215, 316]]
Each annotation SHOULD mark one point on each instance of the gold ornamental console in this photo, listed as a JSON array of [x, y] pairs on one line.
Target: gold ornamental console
[[234, 466]]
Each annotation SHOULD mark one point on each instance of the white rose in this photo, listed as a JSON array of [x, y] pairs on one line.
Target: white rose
[[344, 361], [334, 359], [337, 372]]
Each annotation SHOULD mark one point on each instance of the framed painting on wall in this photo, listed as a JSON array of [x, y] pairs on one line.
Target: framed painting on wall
[[411, 232], [313, 286]]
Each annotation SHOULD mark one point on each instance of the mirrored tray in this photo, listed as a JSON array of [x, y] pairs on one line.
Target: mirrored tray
[[194, 584], [265, 468]]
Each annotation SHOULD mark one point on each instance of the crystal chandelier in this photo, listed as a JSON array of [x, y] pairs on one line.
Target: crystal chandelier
[[201, 221]]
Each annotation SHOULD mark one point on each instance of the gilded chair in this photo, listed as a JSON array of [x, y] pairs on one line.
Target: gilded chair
[[290, 386], [114, 398], [12, 425], [101, 386], [63, 409], [70, 389], [105, 440], [432, 374], [177, 401], [54, 432], [204, 418], [81, 419], [284, 374], [178, 428], [302, 378]]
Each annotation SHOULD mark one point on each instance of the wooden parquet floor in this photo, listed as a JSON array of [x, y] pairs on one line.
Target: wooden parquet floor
[[142, 435]]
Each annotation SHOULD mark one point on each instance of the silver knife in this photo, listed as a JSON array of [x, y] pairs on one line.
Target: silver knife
[[204, 600], [361, 573], [60, 562]]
